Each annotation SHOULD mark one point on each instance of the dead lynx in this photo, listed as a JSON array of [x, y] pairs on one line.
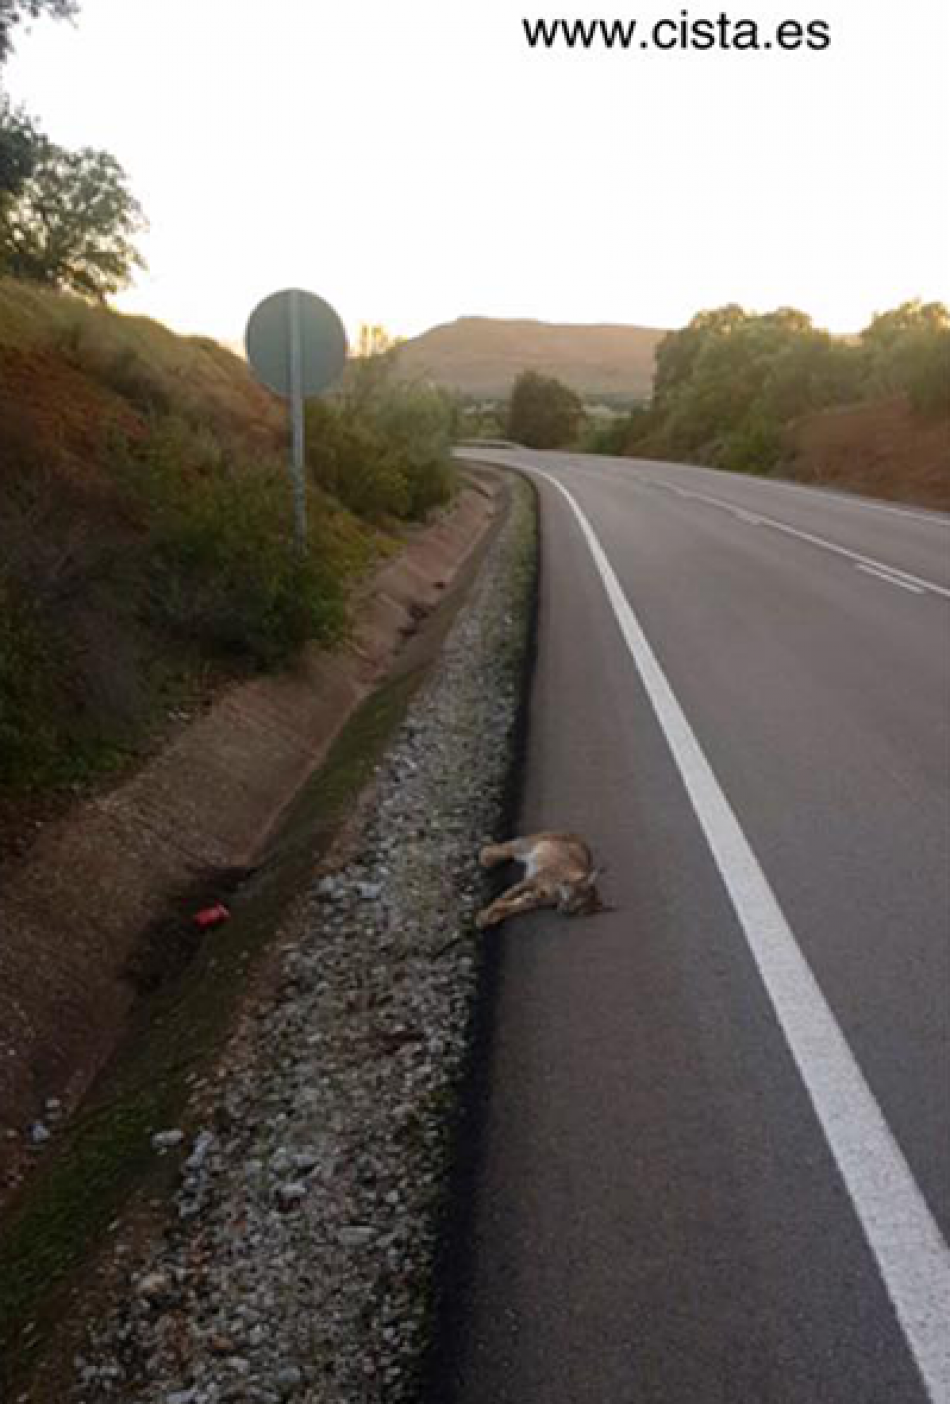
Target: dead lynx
[[559, 872]]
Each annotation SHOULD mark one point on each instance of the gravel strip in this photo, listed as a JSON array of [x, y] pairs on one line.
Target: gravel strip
[[301, 1265]]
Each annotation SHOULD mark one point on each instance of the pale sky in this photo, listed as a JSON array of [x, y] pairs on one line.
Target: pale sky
[[413, 160]]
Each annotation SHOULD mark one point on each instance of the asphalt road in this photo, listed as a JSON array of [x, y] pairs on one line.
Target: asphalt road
[[714, 1160]]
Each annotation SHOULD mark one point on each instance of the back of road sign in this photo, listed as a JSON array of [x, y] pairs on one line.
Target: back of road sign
[[294, 324]]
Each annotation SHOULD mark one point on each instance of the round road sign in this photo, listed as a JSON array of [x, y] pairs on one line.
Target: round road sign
[[295, 342]]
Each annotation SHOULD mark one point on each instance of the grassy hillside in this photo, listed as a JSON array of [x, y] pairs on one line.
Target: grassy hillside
[[481, 356], [145, 530]]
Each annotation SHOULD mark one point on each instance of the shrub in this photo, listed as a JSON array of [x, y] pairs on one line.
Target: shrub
[[416, 422], [543, 412], [754, 447], [607, 436], [384, 453], [924, 370], [349, 460], [228, 574]]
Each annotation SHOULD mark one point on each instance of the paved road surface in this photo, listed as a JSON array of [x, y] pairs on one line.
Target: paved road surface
[[715, 1155]]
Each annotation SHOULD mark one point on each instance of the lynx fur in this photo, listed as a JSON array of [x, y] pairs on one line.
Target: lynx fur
[[558, 872]]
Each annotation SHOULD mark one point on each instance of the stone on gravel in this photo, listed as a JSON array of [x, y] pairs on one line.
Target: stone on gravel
[[166, 1140]]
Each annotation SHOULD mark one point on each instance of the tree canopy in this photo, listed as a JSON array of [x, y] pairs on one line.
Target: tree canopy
[[67, 218], [543, 412], [71, 222], [728, 382], [19, 146], [15, 12]]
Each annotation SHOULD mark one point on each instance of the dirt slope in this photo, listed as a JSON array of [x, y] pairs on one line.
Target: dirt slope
[[881, 449]]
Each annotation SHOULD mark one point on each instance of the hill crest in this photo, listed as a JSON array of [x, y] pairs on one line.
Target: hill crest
[[481, 356]]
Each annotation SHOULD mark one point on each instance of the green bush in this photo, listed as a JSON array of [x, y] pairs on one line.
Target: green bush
[[728, 383], [543, 413], [383, 452], [227, 573], [349, 460], [754, 447], [923, 370], [417, 421], [606, 436]]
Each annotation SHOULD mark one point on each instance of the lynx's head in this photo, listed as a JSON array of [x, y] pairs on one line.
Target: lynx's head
[[581, 898]]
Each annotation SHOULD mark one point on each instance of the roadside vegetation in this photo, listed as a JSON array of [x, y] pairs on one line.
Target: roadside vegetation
[[146, 549], [769, 394], [730, 386], [543, 412]]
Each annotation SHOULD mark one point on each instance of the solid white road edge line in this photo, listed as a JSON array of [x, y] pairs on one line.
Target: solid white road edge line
[[913, 1259], [891, 579]]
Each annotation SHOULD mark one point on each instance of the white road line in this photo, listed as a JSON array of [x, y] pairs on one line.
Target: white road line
[[894, 571], [912, 1257], [891, 579], [843, 499], [849, 500]]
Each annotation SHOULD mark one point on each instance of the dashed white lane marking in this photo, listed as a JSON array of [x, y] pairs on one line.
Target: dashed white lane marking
[[845, 500], [891, 579], [893, 571], [911, 1255], [803, 490]]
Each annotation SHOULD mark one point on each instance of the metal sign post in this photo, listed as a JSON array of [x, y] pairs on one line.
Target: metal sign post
[[296, 345], [298, 445]]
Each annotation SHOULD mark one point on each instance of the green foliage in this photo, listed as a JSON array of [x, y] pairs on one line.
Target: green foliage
[[383, 448], [606, 436], [70, 224], [755, 446], [925, 370], [729, 383], [106, 600], [908, 350], [543, 413], [347, 459], [67, 218], [225, 572], [15, 12], [19, 147], [146, 538], [418, 421], [677, 353], [477, 420]]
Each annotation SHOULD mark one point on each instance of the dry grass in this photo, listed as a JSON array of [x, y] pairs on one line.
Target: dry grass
[[145, 364]]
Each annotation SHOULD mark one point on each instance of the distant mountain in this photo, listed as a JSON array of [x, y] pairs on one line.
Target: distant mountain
[[481, 356]]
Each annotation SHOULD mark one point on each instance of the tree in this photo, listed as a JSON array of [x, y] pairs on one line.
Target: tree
[[71, 222], [14, 12], [371, 371], [543, 412], [907, 350], [678, 352], [913, 316], [20, 143]]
